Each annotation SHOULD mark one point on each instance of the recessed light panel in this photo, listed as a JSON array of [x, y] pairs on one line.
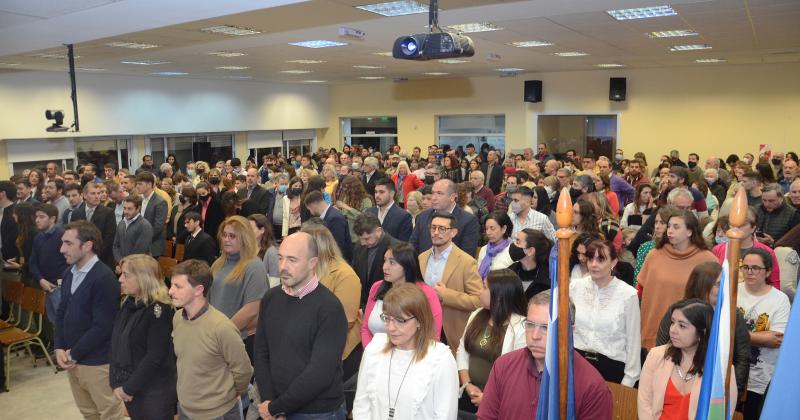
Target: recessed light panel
[[239, 77], [395, 8], [315, 81], [610, 65], [233, 67], [474, 27], [318, 43], [509, 70], [9, 64], [90, 69], [145, 62], [170, 73], [671, 34], [295, 71], [371, 77], [691, 47], [230, 30], [642, 13], [452, 61], [571, 54], [226, 54], [710, 60], [365, 67], [435, 73], [306, 61], [131, 45], [528, 44]]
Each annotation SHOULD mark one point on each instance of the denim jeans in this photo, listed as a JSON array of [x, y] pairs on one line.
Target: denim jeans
[[338, 414], [51, 305]]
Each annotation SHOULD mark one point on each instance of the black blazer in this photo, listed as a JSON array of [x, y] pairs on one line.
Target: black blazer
[[396, 223], [258, 197], [69, 211], [337, 224], [495, 178], [8, 233], [466, 240], [203, 248], [370, 275], [105, 220], [214, 217], [370, 185]]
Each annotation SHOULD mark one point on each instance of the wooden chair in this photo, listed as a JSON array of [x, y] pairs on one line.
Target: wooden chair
[[166, 264], [179, 248], [33, 302], [12, 291], [169, 248], [624, 398]]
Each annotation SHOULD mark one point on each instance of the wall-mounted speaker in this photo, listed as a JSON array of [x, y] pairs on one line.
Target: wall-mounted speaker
[[617, 89], [533, 91]]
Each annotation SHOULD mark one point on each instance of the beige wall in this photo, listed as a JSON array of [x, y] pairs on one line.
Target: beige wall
[[709, 109]]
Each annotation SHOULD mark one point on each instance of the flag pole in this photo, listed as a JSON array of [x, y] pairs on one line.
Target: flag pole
[[564, 233], [737, 219]]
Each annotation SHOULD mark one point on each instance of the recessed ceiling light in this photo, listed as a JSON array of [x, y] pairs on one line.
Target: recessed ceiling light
[[383, 54], [571, 54], [526, 44], [239, 77], [9, 64], [145, 62], [90, 68], [452, 61], [318, 43], [361, 66], [510, 69], [395, 8], [690, 47], [315, 81], [671, 34], [474, 27], [296, 71], [306, 61], [226, 54], [710, 60], [642, 13], [230, 30], [52, 56], [131, 45], [610, 65], [233, 67], [371, 77], [170, 73], [435, 73]]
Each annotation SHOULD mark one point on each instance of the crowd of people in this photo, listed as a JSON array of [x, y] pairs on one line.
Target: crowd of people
[[304, 276]]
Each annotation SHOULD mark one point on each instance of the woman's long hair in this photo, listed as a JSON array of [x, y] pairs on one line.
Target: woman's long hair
[[637, 196], [248, 249], [588, 216], [26, 223], [327, 249], [268, 237], [692, 224], [507, 298], [699, 313], [148, 276], [408, 300], [405, 255], [702, 280], [352, 192]]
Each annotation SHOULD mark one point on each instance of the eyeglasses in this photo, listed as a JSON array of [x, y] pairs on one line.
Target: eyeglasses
[[440, 229], [532, 326], [397, 321], [753, 269]]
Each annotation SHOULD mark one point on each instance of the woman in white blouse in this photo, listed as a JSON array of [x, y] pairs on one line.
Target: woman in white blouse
[[607, 320], [406, 374]]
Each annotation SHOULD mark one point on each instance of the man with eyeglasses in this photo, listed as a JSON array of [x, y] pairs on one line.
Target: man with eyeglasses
[[512, 391], [453, 274], [443, 200]]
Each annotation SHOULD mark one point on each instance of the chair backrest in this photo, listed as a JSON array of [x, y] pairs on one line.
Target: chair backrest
[[788, 262], [624, 398], [13, 291], [169, 248], [179, 249], [33, 300], [167, 264]]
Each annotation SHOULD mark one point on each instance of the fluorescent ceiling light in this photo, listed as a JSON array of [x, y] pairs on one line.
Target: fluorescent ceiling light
[[671, 34], [509, 69], [230, 30], [474, 27], [642, 13], [383, 54], [318, 43], [9, 64], [233, 67], [395, 8], [52, 56], [145, 62], [90, 68], [452, 61], [610, 65], [527, 44], [170, 73], [306, 61], [239, 77], [371, 77], [296, 71], [226, 54], [435, 73], [690, 47], [710, 60], [571, 54], [368, 67], [132, 45], [315, 81]]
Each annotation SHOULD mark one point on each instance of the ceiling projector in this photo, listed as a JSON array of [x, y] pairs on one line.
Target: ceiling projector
[[433, 46]]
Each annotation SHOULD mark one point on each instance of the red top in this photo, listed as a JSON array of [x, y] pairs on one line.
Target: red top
[[676, 405]]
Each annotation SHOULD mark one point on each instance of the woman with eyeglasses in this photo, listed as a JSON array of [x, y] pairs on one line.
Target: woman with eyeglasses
[[494, 255], [766, 313], [492, 330], [406, 374]]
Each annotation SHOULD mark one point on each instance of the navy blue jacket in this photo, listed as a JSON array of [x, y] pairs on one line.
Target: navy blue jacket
[[47, 262], [336, 222], [396, 223], [466, 239], [84, 321]]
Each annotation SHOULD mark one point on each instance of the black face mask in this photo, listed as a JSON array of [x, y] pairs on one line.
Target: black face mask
[[428, 180], [214, 180], [204, 197], [199, 170], [691, 165], [297, 191], [776, 161], [516, 253]]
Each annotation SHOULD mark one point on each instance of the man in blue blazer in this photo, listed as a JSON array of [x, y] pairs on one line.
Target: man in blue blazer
[[443, 199], [333, 220], [84, 320], [154, 210], [394, 220]]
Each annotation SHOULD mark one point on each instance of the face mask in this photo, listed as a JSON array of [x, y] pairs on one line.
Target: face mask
[[721, 239], [214, 180], [297, 191], [428, 179], [710, 180], [270, 175], [199, 171], [618, 157], [516, 253], [776, 161], [516, 207], [282, 188], [511, 189], [691, 165], [204, 197], [747, 160], [190, 172], [394, 164]]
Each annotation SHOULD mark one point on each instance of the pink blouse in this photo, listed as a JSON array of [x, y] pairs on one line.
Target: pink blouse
[[433, 299]]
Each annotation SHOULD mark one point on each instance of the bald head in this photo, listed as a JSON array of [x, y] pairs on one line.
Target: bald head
[[443, 195], [297, 260], [252, 177]]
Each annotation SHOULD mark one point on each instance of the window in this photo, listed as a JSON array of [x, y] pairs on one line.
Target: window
[[299, 141], [191, 147], [380, 133], [560, 133], [63, 164], [479, 130], [102, 151]]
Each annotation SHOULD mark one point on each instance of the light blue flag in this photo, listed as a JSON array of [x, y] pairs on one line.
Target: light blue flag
[[782, 400]]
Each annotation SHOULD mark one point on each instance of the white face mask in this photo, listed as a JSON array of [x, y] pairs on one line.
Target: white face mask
[[516, 207]]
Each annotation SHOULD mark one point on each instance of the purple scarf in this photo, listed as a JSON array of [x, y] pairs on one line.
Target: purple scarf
[[491, 251]]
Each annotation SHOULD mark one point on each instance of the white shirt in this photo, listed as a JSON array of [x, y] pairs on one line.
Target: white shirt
[[324, 212], [79, 274], [129, 221], [608, 321], [435, 269], [382, 213], [769, 312], [535, 220], [501, 260], [374, 322], [146, 201]]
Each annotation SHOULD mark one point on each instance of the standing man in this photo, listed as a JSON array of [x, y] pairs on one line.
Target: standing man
[[789, 172], [116, 202], [51, 171], [84, 320], [443, 200], [76, 204], [695, 171], [55, 191], [300, 339], [147, 165], [524, 216], [543, 155], [275, 211], [253, 192], [213, 367], [47, 264], [154, 209], [625, 191], [368, 253], [635, 176], [333, 220], [25, 191], [371, 174], [133, 232], [493, 171], [100, 216], [775, 216], [199, 245], [679, 178], [470, 152], [394, 220], [478, 181]]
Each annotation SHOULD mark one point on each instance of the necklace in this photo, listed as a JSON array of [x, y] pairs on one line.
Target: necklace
[[485, 340], [687, 377], [388, 390]]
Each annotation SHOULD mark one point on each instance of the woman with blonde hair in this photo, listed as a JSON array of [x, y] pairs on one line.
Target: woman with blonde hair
[[142, 370], [305, 174], [414, 205], [419, 372], [405, 182], [331, 178], [201, 171], [240, 279]]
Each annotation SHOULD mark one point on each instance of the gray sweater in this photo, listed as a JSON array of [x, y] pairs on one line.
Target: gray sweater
[[230, 296]]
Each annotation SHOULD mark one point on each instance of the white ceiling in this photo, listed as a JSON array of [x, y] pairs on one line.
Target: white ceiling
[[740, 31]]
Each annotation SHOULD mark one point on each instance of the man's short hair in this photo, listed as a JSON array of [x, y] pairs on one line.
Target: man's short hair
[[679, 191], [443, 215], [197, 272], [192, 215], [86, 232], [754, 176], [91, 185], [23, 181], [58, 182], [112, 185], [164, 166], [543, 299], [680, 172], [366, 223], [772, 187], [144, 158], [48, 209], [523, 191], [241, 177], [313, 197], [386, 182], [371, 161], [145, 176], [135, 199], [479, 173], [426, 190], [236, 162], [10, 189], [71, 187]]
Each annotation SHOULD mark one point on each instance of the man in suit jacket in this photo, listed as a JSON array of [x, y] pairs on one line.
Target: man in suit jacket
[[74, 195], [100, 216], [133, 232], [454, 275], [199, 245], [373, 241], [493, 170], [394, 220], [154, 209], [254, 193], [333, 220], [371, 174], [443, 200], [84, 321]]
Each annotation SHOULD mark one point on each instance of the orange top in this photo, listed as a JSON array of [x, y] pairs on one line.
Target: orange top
[[676, 405]]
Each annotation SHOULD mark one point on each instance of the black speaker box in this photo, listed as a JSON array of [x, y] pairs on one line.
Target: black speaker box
[[533, 91], [617, 89]]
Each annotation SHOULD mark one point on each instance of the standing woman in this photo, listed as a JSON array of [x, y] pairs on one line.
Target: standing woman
[[292, 206], [210, 209], [36, 179], [142, 370], [607, 319], [187, 202], [662, 215], [407, 374], [240, 279], [405, 182], [414, 205], [530, 251], [494, 255], [642, 203], [667, 268], [584, 218], [25, 217], [173, 161], [452, 169], [352, 201], [331, 179], [400, 265], [494, 329], [267, 247], [602, 184]]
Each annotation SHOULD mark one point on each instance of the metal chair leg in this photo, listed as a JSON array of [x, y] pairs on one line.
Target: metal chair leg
[[46, 354]]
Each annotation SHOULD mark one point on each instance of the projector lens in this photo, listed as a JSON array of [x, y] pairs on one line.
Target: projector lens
[[409, 46]]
